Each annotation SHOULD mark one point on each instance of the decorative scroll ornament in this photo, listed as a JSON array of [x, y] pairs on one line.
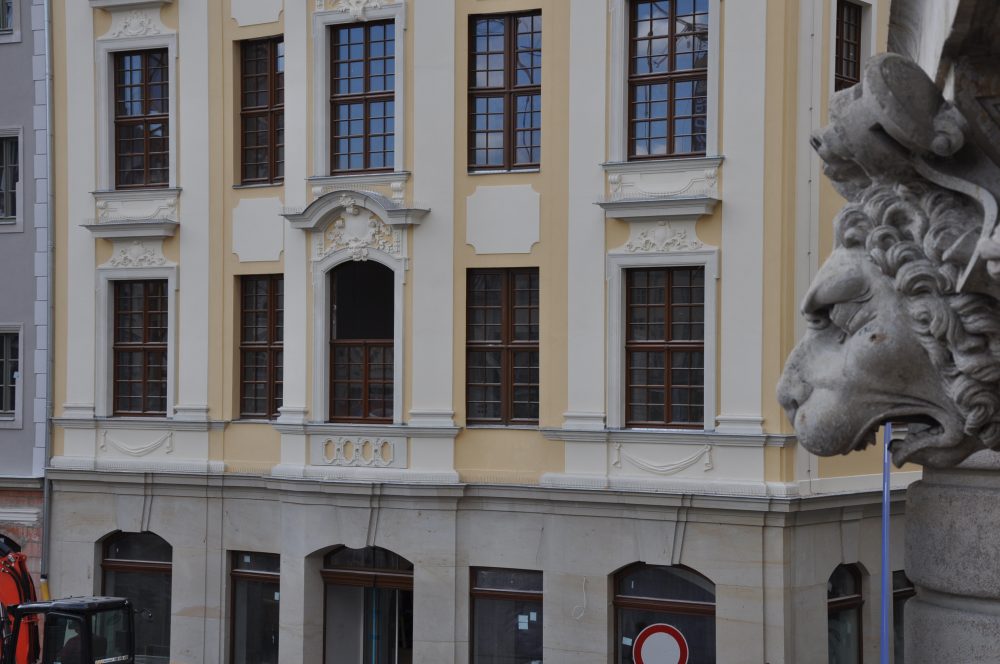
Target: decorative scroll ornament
[[364, 452], [662, 238], [359, 236], [136, 23], [356, 8], [165, 441], [137, 254], [904, 317], [668, 468]]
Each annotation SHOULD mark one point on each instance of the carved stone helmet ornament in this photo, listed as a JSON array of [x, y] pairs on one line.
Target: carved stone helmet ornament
[[904, 316]]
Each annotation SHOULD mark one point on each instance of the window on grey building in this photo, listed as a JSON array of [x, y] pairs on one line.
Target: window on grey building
[[506, 616], [138, 566], [844, 601], [369, 607], [647, 595], [256, 592], [6, 15], [9, 356], [902, 590], [8, 177]]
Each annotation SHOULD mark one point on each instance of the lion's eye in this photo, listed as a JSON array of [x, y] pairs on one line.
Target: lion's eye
[[817, 319], [848, 316]]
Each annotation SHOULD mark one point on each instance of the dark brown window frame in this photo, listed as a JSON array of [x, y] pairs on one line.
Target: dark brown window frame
[[476, 592], [620, 601], [666, 346], [121, 121], [273, 347], [507, 346], [366, 98], [847, 72], [670, 78], [510, 90], [368, 577], [145, 347], [236, 574], [10, 353], [274, 111], [849, 603]]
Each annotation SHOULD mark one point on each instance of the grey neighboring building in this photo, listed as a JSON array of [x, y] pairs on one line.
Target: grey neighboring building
[[24, 270]]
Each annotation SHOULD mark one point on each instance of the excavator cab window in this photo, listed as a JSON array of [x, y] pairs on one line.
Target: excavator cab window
[[110, 636], [64, 640]]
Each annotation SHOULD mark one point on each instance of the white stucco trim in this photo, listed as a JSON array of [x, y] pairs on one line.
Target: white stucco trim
[[15, 421], [104, 375], [321, 328], [15, 224], [617, 264], [321, 21], [618, 80], [119, 38]]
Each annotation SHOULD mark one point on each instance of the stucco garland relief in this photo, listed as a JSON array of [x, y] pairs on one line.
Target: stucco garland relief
[[356, 8], [661, 237], [135, 23], [364, 452], [158, 209], [357, 233], [165, 441], [137, 254], [705, 451], [639, 186]]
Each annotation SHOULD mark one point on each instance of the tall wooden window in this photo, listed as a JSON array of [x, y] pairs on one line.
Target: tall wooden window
[[844, 601], [142, 127], [361, 342], [361, 100], [261, 342], [505, 91], [677, 596], [263, 110], [506, 616], [847, 60], [138, 566], [8, 177], [256, 593], [665, 347], [140, 347], [369, 606], [9, 360], [668, 78], [502, 346]]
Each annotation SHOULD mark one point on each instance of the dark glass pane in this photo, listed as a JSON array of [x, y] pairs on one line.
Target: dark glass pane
[[508, 579], [666, 583], [370, 558], [149, 593], [698, 631], [506, 631], [255, 621], [139, 546]]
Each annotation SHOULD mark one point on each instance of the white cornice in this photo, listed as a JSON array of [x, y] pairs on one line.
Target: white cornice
[[669, 437], [118, 5], [658, 207], [663, 165]]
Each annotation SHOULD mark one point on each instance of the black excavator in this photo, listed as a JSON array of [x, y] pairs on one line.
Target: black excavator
[[76, 630]]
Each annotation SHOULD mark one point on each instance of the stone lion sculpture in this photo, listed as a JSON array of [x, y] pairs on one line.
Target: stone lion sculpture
[[904, 316]]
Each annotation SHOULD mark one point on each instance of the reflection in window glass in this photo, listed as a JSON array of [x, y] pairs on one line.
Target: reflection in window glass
[[137, 566], [507, 616], [844, 602], [256, 594], [902, 590]]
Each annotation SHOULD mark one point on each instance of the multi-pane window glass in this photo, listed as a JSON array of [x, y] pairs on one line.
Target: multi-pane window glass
[[505, 91], [256, 594], [8, 177], [261, 345], [263, 110], [502, 346], [668, 70], [369, 607], [847, 60], [665, 347], [9, 354], [142, 128], [6, 15], [361, 342], [676, 596], [902, 590], [138, 566], [362, 107], [506, 616], [140, 347], [844, 600]]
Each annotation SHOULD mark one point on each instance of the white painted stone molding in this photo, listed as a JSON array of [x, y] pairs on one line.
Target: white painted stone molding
[[118, 5], [135, 214], [333, 203], [705, 451], [356, 8], [358, 451], [137, 254], [662, 237], [27, 516], [661, 189], [255, 12], [358, 234], [503, 220], [165, 441], [258, 233]]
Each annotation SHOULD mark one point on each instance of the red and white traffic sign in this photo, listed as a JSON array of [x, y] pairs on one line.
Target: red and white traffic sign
[[660, 644]]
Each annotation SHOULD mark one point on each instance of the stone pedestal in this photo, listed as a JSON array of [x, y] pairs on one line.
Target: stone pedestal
[[953, 559]]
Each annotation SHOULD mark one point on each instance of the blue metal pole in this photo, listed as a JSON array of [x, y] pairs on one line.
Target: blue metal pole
[[886, 573]]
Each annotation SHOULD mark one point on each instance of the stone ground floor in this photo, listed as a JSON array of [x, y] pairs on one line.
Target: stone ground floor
[[311, 571]]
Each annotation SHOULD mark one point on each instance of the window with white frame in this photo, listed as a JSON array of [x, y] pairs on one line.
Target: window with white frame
[[9, 177]]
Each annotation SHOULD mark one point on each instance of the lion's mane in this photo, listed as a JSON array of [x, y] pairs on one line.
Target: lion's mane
[[910, 233]]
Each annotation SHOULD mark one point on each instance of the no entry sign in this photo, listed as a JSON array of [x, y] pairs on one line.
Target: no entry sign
[[660, 644]]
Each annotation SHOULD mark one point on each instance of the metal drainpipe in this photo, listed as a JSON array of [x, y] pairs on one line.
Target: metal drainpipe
[[50, 323]]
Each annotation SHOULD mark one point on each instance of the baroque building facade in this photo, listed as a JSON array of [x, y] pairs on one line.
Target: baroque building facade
[[448, 331]]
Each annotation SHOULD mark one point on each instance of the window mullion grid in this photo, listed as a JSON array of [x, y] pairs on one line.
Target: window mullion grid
[[510, 45], [145, 115], [507, 350]]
